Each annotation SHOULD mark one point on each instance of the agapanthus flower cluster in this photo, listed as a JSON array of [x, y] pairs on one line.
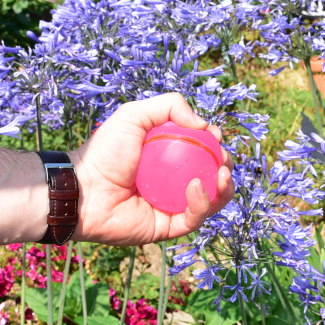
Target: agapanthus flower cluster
[[99, 55], [288, 36], [256, 228]]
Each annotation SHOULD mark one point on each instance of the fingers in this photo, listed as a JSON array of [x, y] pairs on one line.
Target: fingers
[[198, 205], [155, 111], [227, 160], [225, 190], [195, 213], [215, 131]]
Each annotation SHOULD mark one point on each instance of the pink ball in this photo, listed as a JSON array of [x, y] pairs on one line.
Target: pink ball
[[171, 157]]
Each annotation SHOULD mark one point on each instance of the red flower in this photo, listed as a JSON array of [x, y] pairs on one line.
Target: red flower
[[6, 279]]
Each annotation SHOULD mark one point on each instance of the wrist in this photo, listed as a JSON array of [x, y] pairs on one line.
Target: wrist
[[82, 178], [24, 197]]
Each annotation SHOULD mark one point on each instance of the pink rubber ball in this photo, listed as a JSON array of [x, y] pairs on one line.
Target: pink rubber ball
[[171, 157]]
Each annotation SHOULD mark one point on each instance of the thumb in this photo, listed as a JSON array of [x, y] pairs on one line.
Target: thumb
[[155, 111], [198, 205]]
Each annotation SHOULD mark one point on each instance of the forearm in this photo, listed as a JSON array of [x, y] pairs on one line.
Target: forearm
[[24, 202]]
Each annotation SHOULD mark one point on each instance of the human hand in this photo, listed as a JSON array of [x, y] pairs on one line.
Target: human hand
[[111, 210]]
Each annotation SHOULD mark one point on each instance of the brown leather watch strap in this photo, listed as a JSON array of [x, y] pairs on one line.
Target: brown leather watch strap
[[63, 194]]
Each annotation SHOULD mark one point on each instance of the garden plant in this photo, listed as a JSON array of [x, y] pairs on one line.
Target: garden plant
[[256, 261]]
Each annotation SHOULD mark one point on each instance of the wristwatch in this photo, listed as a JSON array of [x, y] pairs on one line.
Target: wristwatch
[[63, 195]]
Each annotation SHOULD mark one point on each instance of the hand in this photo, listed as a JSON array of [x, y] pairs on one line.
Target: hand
[[111, 210]]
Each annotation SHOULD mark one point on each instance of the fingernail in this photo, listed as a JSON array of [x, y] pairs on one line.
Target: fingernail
[[199, 118], [199, 188]]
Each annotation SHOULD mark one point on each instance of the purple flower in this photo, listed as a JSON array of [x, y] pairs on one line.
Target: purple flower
[[295, 235], [57, 107], [257, 130], [201, 46], [32, 36], [208, 275], [129, 63], [258, 197], [178, 268], [238, 51], [212, 72], [257, 285], [207, 102], [88, 89], [275, 72], [11, 129], [238, 289], [186, 256]]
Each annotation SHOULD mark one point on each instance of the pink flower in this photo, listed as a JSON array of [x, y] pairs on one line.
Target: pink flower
[[57, 276], [3, 314], [6, 279], [14, 247], [140, 313], [115, 300]]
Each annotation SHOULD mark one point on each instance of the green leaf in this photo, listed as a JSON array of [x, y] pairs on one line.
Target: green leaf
[[315, 260], [74, 283], [73, 305], [97, 297], [92, 320], [286, 304], [18, 6], [146, 285], [201, 302], [319, 236], [36, 299], [279, 315]]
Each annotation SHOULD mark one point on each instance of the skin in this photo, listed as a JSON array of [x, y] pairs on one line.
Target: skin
[[111, 210]]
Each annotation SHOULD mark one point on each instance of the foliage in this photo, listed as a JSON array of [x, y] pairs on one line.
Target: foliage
[[18, 16]]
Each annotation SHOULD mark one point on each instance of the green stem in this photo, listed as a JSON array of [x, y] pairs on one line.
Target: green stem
[[169, 284], [233, 69], [261, 298], [49, 285], [81, 267], [162, 284], [180, 291], [23, 285], [314, 92], [48, 247], [82, 285], [70, 136], [286, 303], [39, 124], [79, 136], [241, 302], [320, 98], [90, 122], [128, 284], [234, 75], [64, 283]]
